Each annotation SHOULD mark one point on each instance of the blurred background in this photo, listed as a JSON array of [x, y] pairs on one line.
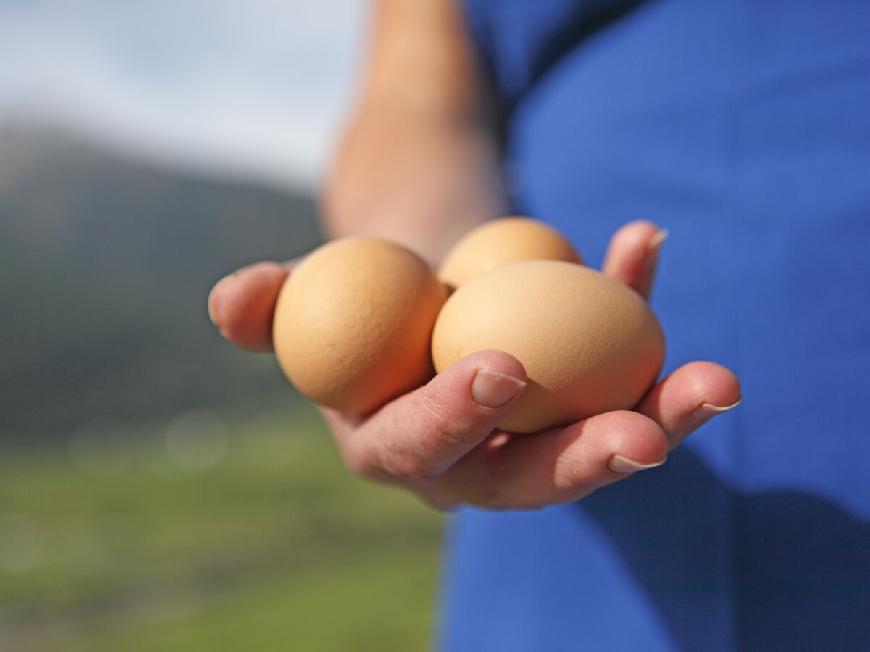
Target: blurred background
[[160, 490]]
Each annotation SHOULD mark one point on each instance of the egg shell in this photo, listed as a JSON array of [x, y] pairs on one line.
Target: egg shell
[[353, 323], [589, 343], [503, 241]]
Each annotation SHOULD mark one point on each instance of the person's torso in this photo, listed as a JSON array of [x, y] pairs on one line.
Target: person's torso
[[742, 127]]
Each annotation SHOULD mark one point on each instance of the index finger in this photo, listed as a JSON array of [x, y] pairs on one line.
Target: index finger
[[420, 435]]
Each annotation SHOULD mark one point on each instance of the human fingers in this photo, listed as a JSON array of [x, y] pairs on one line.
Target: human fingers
[[418, 436], [633, 255], [512, 471], [689, 397], [242, 304], [557, 466]]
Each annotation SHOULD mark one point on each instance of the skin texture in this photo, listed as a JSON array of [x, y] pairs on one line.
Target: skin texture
[[432, 181]]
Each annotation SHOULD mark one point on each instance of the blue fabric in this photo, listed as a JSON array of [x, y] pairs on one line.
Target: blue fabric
[[743, 127]]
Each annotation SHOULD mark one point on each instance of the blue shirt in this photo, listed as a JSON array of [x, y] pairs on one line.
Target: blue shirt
[[743, 127]]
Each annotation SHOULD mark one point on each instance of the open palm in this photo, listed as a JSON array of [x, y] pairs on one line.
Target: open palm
[[440, 440]]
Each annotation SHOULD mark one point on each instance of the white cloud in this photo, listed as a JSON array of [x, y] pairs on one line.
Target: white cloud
[[254, 87]]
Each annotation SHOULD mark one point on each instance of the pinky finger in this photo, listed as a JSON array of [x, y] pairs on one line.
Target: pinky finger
[[632, 256]]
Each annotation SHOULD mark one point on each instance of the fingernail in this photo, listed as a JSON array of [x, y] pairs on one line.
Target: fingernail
[[656, 241], [708, 410], [492, 390], [620, 464]]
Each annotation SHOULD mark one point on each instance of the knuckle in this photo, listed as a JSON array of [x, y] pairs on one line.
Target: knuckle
[[570, 473], [376, 461], [383, 466], [568, 478], [569, 468], [361, 462], [447, 429], [406, 468]]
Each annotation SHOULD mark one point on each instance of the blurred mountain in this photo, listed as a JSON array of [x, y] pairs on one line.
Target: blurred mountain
[[105, 265]]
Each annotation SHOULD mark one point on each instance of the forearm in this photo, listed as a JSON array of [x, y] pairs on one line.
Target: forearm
[[421, 57], [416, 164]]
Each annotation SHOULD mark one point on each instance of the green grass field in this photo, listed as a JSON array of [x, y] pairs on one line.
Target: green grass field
[[199, 537]]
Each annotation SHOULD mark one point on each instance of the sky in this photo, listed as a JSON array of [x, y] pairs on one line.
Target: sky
[[250, 88]]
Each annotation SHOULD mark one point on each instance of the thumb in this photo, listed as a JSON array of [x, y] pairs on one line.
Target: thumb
[[242, 304], [420, 435]]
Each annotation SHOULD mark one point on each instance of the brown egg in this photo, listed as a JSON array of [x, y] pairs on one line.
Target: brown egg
[[589, 343], [503, 241], [353, 323]]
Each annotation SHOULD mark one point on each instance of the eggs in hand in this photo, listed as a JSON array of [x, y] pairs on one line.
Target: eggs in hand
[[361, 321]]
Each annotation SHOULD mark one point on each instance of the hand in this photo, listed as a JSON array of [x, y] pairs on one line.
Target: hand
[[440, 440]]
